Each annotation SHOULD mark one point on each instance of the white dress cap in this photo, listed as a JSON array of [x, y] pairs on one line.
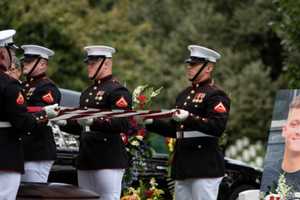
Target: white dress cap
[[6, 37], [37, 50], [203, 52], [100, 50]]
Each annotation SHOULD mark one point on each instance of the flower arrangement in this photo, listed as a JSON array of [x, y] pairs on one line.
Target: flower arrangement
[[282, 192], [283, 189], [170, 144], [142, 96], [137, 148], [144, 192], [138, 151], [273, 197]]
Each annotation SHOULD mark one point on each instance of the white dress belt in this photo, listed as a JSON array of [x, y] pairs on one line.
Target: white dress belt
[[5, 124], [191, 134]]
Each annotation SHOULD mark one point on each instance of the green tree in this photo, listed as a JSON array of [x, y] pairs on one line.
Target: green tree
[[287, 26], [68, 26]]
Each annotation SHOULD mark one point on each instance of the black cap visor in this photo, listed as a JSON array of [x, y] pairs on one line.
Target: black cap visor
[[28, 58], [195, 60], [12, 46], [92, 59]]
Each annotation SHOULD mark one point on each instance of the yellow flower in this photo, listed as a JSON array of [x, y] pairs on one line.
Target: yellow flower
[[171, 143], [158, 192], [127, 197], [131, 197], [135, 143]]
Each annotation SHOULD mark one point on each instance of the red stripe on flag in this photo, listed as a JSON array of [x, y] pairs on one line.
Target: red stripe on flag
[[34, 109]]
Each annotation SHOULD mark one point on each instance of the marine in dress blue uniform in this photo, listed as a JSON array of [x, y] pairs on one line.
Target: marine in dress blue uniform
[[202, 111], [102, 155], [14, 120], [39, 91]]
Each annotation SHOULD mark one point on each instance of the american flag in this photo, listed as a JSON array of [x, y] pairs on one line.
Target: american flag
[[80, 113]]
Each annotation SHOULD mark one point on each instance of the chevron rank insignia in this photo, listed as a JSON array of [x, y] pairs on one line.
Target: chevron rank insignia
[[220, 108], [48, 98], [122, 103], [20, 99]]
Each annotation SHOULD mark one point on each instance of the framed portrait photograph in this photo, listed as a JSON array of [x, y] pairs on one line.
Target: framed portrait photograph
[[282, 161]]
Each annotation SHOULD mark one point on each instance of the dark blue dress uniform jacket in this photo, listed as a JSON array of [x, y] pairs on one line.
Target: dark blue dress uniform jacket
[[39, 144], [13, 109], [102, 147], [198, 157]]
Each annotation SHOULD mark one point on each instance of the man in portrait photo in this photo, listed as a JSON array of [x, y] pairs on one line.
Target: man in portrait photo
[[289, 164]]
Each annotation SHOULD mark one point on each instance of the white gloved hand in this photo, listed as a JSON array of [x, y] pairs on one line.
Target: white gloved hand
[[148, 121], [180, 115], [52, 110], [85, 122], [60, 122]]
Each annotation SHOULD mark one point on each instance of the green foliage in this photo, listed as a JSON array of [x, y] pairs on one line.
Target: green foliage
[[287, 25], [251, 91]]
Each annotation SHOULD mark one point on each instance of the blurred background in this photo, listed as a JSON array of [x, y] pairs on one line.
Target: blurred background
[[259, 41]]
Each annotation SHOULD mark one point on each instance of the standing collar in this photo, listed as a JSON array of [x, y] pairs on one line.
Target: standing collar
[[35, 78], [104, 79], [203, 83]]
